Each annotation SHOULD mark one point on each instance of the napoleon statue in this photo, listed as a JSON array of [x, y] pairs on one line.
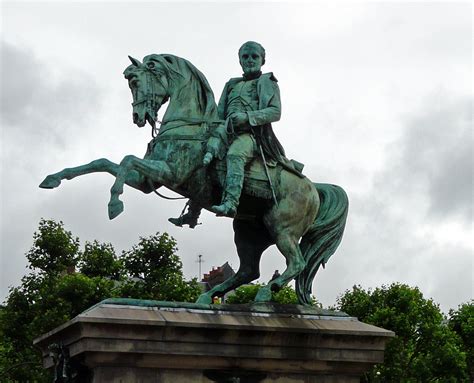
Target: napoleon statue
[[226, 158]]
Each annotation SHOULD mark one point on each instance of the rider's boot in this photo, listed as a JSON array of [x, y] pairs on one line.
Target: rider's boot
[[186, 219], [190, 218], [234, 184]]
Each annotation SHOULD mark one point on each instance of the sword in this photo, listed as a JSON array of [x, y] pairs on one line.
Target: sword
[[267, 173]]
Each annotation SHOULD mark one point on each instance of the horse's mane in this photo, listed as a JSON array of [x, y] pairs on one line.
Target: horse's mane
[[179, 69]]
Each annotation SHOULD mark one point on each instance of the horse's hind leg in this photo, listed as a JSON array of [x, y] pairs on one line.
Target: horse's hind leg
[[251, 240], [287, 223], [288, 246]]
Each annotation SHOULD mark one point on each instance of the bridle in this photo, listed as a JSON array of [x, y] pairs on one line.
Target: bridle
[[150, 99]]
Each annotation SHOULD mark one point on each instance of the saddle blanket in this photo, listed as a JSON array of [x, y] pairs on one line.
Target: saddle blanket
[[256, 181]]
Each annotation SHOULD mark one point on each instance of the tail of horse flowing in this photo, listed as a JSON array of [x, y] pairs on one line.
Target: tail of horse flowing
[[323, 237]]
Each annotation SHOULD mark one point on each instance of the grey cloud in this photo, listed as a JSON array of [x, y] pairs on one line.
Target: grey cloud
[[43, 111], [433, 159], [35, 100], [20, 72], [427, 178], [381, 245]]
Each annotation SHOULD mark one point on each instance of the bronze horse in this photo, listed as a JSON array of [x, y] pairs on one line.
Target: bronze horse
[[306, 223]]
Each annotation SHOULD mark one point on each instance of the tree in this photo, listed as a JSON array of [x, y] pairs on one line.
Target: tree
[[425, 349], [99, 260], [155, 271], [54, 292], [461, 321], [54, 249]]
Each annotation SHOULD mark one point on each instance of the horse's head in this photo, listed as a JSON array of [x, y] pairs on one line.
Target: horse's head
[[149, 85]]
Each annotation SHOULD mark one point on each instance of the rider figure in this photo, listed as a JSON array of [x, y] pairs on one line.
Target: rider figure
[[249, 104]]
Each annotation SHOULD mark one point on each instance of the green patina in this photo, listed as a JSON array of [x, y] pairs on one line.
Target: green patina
[[257, 307], [227, 159]]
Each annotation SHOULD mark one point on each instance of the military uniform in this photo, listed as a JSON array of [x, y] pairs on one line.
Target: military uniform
[[258, 97]]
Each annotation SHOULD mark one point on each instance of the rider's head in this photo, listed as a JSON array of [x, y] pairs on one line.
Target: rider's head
[[251, 57]]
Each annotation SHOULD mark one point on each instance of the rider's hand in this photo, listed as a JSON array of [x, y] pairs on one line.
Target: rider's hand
[[207, 159], [240, 119]]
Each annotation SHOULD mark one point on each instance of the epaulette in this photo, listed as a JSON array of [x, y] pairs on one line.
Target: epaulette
[[270, 76]]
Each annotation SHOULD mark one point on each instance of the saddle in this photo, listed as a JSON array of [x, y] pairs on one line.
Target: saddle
[[256, 182]]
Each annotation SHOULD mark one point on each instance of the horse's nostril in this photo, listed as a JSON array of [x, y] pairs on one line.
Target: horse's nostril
[[135, 118]]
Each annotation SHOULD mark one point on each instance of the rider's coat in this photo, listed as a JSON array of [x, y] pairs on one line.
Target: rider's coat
[[260, 99]]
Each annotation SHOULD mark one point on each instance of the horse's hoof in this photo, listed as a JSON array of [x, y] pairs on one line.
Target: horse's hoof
[[115, 208], [204, 299], [263, 295], [50, 182]]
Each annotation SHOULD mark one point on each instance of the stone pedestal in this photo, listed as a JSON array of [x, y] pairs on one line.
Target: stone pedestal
[[141, 341]]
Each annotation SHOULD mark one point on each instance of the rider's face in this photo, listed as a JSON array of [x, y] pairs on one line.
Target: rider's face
[[250, 59]]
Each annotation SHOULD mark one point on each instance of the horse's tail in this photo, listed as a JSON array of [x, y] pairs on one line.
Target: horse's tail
[[323, 237]]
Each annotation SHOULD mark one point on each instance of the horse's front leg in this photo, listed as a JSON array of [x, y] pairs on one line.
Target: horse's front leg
[[154, 171], [102, 165]]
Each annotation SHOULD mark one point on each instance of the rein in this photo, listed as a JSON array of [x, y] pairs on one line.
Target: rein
[[161, 195], [162, 136]]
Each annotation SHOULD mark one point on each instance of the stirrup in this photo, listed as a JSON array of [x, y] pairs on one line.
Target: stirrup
[[186, 219]]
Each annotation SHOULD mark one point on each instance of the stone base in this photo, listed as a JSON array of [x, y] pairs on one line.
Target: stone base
[[170, 342]]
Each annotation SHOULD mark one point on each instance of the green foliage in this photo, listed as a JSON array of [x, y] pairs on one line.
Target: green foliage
[[151, 257], [54, 292], [286, 295], [246, 294], [461, 321], [54, 249], [243, 294], [424, 349], [99, 260], [155, 271]]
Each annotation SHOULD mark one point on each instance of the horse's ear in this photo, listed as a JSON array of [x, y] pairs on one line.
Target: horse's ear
[[134, 61]]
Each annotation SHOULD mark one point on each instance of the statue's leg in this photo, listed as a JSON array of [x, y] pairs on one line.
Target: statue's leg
[[155, 171], [251, 240], [289, 247], [240, 153], [286, 223], [134, 179]]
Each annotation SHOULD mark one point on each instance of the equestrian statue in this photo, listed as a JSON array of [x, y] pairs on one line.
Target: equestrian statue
[[227, 159]]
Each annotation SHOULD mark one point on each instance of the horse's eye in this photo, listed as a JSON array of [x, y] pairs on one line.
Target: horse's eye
[[151, 65]]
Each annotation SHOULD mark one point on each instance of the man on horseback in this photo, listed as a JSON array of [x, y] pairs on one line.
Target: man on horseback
[[307, 220], [249, 105]]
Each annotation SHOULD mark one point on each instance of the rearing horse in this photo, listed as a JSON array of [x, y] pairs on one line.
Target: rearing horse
[[306, 223]]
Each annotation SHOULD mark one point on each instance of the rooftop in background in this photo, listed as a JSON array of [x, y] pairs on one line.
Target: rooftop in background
[[218, 275]]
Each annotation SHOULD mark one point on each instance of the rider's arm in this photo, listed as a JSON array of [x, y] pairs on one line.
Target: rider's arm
[[269, 102]]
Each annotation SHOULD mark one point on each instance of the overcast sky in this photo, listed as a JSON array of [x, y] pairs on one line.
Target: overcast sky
[[377, 98]]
